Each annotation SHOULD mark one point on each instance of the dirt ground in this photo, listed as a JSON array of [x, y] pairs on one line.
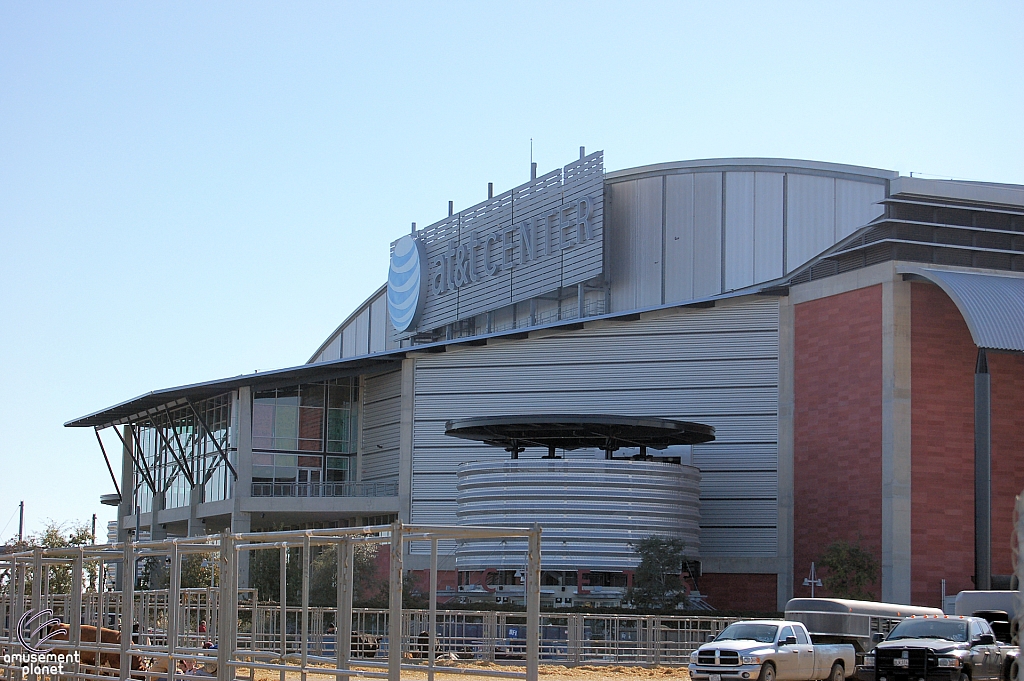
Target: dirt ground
[[548, 672]]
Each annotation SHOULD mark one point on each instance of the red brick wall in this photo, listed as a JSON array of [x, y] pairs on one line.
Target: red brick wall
[[942, 471], [942, 446], [747, 592], [1007, 374], [837, 428]]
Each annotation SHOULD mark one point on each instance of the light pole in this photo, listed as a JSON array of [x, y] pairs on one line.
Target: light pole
[[812, 580]]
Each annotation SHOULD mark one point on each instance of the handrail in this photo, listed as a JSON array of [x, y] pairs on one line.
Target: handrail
[[325, 489]]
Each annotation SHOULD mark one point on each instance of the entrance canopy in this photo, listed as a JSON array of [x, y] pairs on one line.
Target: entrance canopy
[[578, 431]]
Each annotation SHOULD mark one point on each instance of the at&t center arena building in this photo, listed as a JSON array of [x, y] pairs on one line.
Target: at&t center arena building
[[756, 356]]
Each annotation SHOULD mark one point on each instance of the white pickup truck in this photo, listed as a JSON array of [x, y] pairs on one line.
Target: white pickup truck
[[770, 650]]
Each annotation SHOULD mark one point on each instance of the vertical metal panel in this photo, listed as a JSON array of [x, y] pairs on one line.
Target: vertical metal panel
[[378, 323], [707, 234], [332, 351], [810, 208], [739, 230], [768, 226], [856, 205], [391, 341], [678, 238], [348, 340], [647, 242], [661, 366], [362, 332], [620, 265]]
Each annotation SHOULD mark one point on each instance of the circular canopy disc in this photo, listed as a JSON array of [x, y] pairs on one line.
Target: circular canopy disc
[[578, 431]]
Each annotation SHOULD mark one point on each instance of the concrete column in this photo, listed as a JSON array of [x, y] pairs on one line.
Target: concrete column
[[197, 494], [156, 532], [406, 442], [241, 521], [786, 550], [127, 505], [896, 444]]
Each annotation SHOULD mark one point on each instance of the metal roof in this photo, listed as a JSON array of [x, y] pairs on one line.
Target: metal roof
[[576, 431], [991, 304], [152, 402]]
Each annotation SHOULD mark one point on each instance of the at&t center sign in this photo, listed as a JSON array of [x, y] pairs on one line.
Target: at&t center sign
[[537, 238]]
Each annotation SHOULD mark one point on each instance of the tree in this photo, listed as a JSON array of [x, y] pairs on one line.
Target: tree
[[657, 582], [848, 570], [59, 536], [199, 570], [265, 576]]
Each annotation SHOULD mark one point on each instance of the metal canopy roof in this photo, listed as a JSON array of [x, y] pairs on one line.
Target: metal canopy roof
[[991, 304], [576, 431], [152, 402]]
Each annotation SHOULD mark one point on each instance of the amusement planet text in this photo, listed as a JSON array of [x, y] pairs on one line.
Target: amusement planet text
[[41, 663]]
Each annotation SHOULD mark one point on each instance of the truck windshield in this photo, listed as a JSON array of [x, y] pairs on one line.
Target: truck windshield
[[765, 633], [949, 630]]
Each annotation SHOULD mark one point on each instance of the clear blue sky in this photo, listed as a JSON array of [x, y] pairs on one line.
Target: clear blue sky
[[190, 191]]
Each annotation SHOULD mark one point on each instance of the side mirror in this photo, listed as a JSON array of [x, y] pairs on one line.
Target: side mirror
[[708, 638], [986, 639], [877, 637], [789, 641]]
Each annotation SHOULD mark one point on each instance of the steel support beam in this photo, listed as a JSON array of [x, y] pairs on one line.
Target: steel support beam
[[138, 457], [107, 459], [209, 434], [167, 443], [982, 474]]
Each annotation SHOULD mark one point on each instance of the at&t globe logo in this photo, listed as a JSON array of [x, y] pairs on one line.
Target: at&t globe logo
[[406, 284]]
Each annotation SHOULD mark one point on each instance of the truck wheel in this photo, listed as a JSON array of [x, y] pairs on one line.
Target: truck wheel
[[1011, 671], [964, 677], [837, 673], [768, 672]]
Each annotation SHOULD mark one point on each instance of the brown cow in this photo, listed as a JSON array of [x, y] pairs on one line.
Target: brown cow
[[110, 662]]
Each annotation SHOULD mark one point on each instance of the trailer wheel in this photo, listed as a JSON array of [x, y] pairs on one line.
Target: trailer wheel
[[767, 672], [837, 673]]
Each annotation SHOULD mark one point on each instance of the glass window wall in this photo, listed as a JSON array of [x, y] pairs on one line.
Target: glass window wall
[[305, 433], [173, 440]]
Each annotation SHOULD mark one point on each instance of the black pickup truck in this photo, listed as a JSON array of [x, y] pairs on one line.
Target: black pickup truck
[[938, 648]]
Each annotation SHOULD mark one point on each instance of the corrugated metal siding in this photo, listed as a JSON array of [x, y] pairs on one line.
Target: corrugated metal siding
[[717, 366], [381, 434], [991, 304], [591, 511]]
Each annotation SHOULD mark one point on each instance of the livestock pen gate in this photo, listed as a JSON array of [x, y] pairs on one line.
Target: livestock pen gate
[[45, 586]]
